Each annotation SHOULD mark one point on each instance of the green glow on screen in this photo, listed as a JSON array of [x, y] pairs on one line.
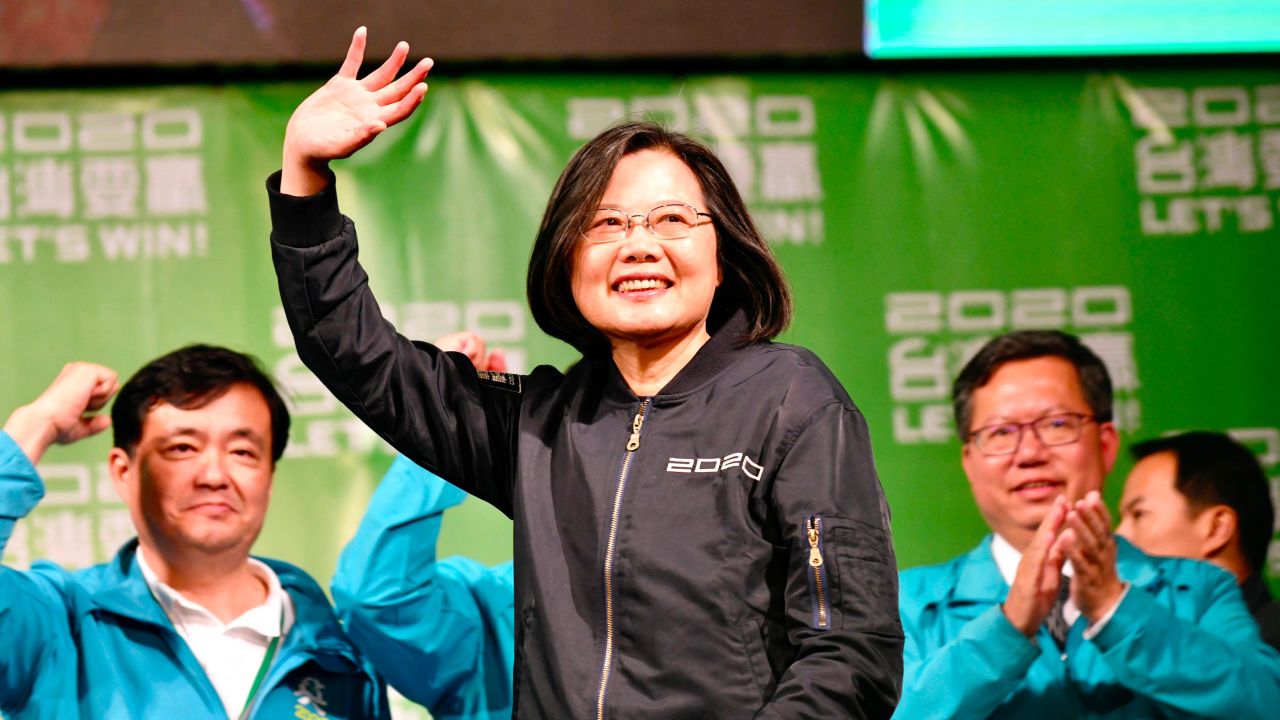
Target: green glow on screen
[[1000, 28]]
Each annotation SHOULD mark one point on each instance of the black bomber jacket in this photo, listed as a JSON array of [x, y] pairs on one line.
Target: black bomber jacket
[[718, 550]]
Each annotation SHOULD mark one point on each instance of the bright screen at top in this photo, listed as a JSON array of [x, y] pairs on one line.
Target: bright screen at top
[[1046, 28]]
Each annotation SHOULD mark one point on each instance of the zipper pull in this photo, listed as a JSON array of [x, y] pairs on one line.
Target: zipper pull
[[815, 555], [633, 443]]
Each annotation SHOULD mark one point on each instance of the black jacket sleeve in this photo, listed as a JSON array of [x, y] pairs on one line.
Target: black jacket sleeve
[[429, 404], [842, 615]]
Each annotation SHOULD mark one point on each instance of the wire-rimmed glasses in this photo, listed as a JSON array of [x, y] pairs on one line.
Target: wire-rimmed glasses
[[673, 221], [1050, 430]]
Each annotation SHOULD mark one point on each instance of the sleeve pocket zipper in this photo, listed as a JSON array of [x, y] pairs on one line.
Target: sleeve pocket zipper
[[817, 572]]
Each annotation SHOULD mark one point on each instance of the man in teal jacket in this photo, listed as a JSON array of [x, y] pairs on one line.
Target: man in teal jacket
[[442, 632], [182, 623], [1051, 616]]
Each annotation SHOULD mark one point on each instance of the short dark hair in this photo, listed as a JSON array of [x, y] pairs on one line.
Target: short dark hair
[[1214, 469], [1027, 345], [192, 377], [752, 279]]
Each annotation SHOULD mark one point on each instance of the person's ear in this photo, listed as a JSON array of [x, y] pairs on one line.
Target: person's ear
[[1217, 526], [1109, 443], [968, 456], [120, 466]]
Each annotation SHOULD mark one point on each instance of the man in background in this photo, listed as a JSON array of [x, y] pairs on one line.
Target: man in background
[[1204, 496], [1051, 616], [442, 632], [182, 623]]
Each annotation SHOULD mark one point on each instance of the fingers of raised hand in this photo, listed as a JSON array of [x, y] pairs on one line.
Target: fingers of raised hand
[[84, 427], [497, 360], [355, 54], [473, 346], [386, 72], [82, 386], [98, 423], [456, 342], [102, 391], [396, 91], [394, 113]]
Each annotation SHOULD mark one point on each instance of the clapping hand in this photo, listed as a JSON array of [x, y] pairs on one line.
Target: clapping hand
[[1035, 585], [1081, 533], [1087, 541]]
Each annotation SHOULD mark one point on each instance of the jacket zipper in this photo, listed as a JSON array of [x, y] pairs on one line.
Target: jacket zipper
[[633, 444], [817, 574]]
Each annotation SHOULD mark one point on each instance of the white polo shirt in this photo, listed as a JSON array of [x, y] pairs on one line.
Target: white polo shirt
[[232, 653]]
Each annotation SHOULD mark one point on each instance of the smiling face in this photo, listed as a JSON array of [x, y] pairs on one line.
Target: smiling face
[[639, 290], [1014, 492], [199, 479]]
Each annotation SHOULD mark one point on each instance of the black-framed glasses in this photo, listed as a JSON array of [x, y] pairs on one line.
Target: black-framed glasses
[[1050, 430], [673, 221]]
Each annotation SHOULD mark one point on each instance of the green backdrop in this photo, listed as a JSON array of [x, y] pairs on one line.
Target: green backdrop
[[916, 214]]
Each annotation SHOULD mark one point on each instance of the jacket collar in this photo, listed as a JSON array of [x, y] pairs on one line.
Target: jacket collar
[[315, 628], [713, 357], [124, 590], [978, 578]]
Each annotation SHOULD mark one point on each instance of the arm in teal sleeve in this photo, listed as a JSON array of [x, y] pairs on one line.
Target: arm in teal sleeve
[[30, 604], [415, 618], [968, 677], [1216, 666], [20, 487]]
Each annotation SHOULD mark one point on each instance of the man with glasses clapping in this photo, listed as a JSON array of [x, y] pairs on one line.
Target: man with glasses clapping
[[1053, 616]]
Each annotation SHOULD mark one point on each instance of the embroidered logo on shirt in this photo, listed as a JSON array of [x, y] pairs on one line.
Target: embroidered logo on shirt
[[502, 380], [713, 465], [311, 703]]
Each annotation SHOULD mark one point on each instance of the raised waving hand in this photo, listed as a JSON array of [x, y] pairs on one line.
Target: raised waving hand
[[347, 113]]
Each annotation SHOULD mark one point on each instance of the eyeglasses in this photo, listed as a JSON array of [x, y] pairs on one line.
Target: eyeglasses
[[1050, 430], [674, 221]]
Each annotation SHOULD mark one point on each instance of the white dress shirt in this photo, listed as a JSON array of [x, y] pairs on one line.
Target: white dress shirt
[[231, 653]]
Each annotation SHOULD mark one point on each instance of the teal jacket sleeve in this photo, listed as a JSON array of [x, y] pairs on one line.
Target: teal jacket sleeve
[[1217, 666], [31, 605], [968, 677], [426, 625], [20, 487]]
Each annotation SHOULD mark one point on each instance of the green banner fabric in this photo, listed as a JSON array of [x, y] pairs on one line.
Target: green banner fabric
[[916, 215]]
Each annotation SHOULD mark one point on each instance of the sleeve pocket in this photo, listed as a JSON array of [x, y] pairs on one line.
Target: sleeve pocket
[[867, 575]]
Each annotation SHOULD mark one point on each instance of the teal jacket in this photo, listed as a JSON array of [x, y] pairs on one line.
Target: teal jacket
[[1181, 644], [95, 644], [441, 632]]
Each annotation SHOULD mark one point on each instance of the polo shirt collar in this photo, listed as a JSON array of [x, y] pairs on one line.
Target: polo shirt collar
[[265, 619]]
